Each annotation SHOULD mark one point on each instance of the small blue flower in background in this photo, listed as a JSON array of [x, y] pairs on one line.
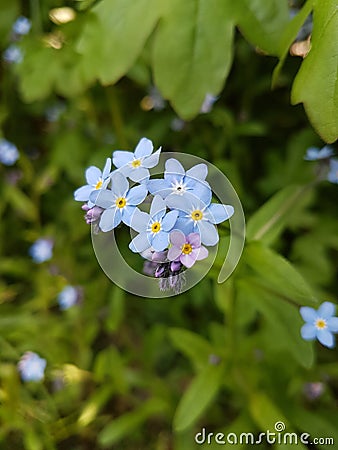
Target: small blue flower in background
[[332, 175], [320, 324], [197, 216], [68, 297], [135, 165], [154, 228], [21, 26], [119, 202], [32, 367], [208, 103], [315, 154], [8, 153], [12, 54], [96, 180], [41, 250], [177, 181]]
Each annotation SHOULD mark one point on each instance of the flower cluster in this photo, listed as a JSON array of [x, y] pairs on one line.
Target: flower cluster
[[180, 222], [327, 164], [13, 53], [320, 324]]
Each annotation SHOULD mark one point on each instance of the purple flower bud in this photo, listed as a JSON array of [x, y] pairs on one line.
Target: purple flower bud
[[85, 207], [93, 214], [159, 271], [175, 266]]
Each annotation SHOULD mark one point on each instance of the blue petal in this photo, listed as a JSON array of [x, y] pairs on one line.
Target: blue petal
[[173, 167], [158, 207], [136, 195], [139, 174], [160, 187], [308, 332], [152, 160], [139, 221], [121, 158], [120, 184], [198, 172], [110, 219], [140, 243], [332, 324], [144, 148], [185, 225], [103, 198], [107, 169], [199, 189], [326, 310], [325, 338], [308, 314], [93, 174], [217, 213], [182, 203], [169, 220], [208, 232], [82, 194], [127, 214], [160, 241]]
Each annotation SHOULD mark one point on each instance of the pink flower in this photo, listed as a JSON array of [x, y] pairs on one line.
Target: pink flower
[[186, 249]]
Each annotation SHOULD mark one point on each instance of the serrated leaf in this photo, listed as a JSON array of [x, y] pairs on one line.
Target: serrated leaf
[[125, 26], [262, 22], [192, 345], [316, 83], [198, 396], [193, 52], [278, 274], [283, 320], [269, 221]]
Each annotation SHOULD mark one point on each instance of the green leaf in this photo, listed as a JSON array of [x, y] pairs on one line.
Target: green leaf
[[193, 52], [270, 220], [316, 84], [277, 274], [192, 345], [263, 22], [9, 11], [283, 320], [288, 37], [21, 203], [264, 412], [198, 396], [126, 424], [115, 34]]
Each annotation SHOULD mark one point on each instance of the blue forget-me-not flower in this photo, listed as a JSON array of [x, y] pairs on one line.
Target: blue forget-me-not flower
[[153, 228], [13, 54], [119, 202], [8, 153], [136, 165], [198, 216], [177, 181], [320, 324], [315, 154], [96, 180], [21, 26], [68, 297], [41, 250], [332, 175], [32, 367]]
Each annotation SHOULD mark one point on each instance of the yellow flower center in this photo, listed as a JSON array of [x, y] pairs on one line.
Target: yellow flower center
[[136, 163], [121, 202], [155, 227], [197, 215], [320, 324], [98, 184], [186, 249]]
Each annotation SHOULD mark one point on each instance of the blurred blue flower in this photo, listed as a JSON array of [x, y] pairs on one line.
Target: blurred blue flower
[[68, 297], [320, 324], [21, 26], [119, 202], [177, 181], [32, 367], [332, 175], [96, 180], [315, 154], [208, 103], [8, 153], [12, 54], [154, 228], [135, 165], [41, 250], [197, 216]]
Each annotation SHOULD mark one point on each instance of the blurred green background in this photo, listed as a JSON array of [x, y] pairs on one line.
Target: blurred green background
[[131, 373]]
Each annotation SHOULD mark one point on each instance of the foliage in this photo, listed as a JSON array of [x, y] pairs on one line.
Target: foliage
[[125, 372]]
